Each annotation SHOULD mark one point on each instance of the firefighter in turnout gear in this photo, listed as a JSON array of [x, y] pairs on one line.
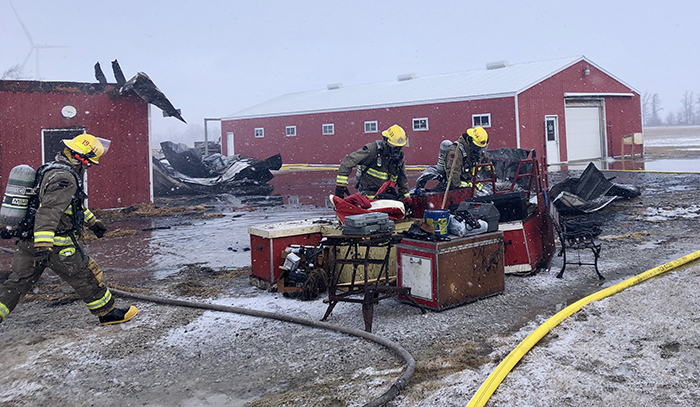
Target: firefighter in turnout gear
[[377, 162], [47, 234], [465, 154]]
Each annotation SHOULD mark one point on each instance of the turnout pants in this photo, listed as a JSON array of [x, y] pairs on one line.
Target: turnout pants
[[78, 270]]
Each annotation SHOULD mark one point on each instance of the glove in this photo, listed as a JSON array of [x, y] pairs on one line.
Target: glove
[[407, 201], [99, 229], [341, 191], [41, 256], [6, 233]]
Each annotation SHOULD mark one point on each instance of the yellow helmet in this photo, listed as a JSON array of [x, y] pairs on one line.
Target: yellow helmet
[[88, 147], [395, 136], [479, 136]]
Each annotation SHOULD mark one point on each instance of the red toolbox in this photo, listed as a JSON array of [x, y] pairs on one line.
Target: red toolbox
[[267, 243], [446, 274]]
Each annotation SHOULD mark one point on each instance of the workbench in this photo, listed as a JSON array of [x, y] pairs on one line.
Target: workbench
[[354, 252]]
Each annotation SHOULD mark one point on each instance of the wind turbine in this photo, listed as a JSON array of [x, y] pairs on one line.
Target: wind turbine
[[35, 47]]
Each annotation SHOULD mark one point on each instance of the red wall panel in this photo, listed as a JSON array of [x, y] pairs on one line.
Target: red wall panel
[[445, 121], [622, 113], [122, 178]]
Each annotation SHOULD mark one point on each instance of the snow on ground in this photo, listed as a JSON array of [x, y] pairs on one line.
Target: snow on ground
[[638, 347], [687, 141]]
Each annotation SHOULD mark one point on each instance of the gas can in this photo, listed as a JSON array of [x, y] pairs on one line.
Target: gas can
[[15, 202]]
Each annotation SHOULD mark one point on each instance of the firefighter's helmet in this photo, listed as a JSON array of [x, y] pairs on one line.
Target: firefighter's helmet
[[87, 147], [479, 136], [395, 136]]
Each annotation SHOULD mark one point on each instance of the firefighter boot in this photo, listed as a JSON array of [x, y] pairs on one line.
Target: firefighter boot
[[119, 315]]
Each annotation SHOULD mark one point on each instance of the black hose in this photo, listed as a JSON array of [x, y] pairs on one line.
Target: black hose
[[389, 395]]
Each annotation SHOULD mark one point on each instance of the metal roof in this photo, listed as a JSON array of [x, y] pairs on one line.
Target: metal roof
[[470, 85]]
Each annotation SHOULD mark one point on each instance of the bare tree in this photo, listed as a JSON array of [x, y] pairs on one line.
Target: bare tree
[[687, 113], [15, 72], [655, 107], [671, 119], [646, 116]]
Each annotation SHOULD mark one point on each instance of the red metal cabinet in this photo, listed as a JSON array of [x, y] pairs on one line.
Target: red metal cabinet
[[529, 243], [447, 274]]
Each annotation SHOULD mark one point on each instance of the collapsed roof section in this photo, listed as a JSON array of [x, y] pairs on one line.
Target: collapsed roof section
[[143, 86], [140, 84]]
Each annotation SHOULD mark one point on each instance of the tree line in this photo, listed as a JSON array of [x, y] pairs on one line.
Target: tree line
[[688, 115]]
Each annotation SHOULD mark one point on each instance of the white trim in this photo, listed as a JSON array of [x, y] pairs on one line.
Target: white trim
[[262, 132], [294, 132], [150, 162], [517, 123], [331, 128], [512, 225], [370, 122], [481, 115], [419, 119], [590, 95], [563, 68], [517, 268]]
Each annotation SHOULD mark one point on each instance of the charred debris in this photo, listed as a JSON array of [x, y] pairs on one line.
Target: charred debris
[[185, 171], [589, 193]]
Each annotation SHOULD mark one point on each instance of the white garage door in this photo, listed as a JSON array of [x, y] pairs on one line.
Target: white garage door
[[583, 136]]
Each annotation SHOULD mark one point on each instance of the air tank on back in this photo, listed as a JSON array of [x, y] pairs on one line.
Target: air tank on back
[[17, 194], [441, 156]]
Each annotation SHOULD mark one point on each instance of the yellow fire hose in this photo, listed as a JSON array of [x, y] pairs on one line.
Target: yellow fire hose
[[481, 397]]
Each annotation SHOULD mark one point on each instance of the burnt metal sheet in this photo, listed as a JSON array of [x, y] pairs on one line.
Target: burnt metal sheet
[[589, 193], [592, 184]]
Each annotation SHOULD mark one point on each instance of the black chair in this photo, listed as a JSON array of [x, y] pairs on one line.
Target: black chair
[[577, 232]]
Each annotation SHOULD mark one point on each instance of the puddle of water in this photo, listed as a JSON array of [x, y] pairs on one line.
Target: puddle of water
[[219, 242]]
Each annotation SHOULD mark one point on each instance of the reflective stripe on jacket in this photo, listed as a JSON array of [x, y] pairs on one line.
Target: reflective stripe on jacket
[[54, 217], [375, 172]]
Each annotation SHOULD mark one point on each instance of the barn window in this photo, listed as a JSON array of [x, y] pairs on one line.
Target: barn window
[[371, 127], [259, 132], [483, 120], [420, 124], [291, 131], [328, 129]]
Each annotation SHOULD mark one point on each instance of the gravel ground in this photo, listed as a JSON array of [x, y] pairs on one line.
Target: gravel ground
[[635, 348]]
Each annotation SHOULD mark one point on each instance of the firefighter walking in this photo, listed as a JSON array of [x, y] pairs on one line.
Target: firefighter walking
[[47, 234]]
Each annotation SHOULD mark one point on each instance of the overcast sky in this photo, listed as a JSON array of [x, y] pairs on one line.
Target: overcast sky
[[213, 58]]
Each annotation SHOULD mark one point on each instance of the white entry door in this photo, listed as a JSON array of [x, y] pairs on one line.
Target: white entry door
[[229, 144], [583, 133], [551, 132]]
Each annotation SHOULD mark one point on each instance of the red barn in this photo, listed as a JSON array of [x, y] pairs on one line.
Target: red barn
[[569, 109], [36, 116]]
